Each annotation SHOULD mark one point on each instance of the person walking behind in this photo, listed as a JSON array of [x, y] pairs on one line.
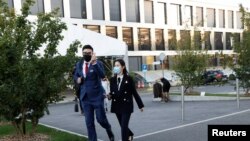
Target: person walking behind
[[122, 91], [89, 72], [165, 89]]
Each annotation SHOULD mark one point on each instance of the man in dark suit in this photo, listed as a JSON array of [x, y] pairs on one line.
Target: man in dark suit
[[89, 73]]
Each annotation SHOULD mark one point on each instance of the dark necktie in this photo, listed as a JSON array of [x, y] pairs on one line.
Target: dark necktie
[[118, 82], [86, 68]]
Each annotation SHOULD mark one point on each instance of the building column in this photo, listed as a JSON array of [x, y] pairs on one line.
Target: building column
[[89, 9], [135, 38], [123, 10], [119, 33], [18, 6], [152, 36], [141, 9], [66, 8], [106, 10], [165, 36], [47, 6], [103, 29]]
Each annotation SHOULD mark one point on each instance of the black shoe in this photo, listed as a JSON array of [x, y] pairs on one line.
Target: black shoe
[[111, 135]]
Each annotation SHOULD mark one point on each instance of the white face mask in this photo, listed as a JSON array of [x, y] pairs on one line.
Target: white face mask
[[116, 70]]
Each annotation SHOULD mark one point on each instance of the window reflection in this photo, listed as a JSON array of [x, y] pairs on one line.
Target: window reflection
[[95, 28], [37, 7], [78, 9], [199, 18], [98, 9], [221, 18], [208, 45], [144, 39], [128, 37], [132, 11], [218, 41], [211, 17], [115, 10], [159, 39], [111, 31], [148, 9], [230, 19], [172, 41], [58, 4]]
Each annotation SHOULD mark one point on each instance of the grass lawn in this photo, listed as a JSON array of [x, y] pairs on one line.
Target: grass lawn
[[54, 135]]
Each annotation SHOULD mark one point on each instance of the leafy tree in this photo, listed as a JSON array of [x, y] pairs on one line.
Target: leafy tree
[[242, 48], [28, 80], [190, 63]]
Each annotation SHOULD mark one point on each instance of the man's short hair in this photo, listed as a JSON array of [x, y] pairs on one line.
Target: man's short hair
[[87, 47]]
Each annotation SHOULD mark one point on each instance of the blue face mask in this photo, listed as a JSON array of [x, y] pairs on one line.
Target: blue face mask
[[116, 70]]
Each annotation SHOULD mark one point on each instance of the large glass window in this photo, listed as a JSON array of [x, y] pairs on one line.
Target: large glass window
[[218, 41], [172, 41], [199, 18], [37, 7], [95, 28], [211, 17], [127, 33], [185, 41], [159, 39], [144, 40], [175, 17], [115, 10], [161, 16], [10, 3], [229, 41], [78, 9], [98, 9], [230, 19], [111, 31], [132, 11], [222, 18], [239, 22], [188, 15], [197, 40], [149, 12], [58, 4], [208, 45]]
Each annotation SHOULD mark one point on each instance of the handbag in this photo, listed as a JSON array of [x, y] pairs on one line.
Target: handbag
[[76, 107]]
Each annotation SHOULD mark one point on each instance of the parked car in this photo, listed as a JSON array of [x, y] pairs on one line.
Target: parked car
[[214, 75]]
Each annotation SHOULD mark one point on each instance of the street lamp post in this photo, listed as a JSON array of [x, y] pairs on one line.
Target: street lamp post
[[162, 56]]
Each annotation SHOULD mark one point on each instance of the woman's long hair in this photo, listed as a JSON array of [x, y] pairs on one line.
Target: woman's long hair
[[122, 62]]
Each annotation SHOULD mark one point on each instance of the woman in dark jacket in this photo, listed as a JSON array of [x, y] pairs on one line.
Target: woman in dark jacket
[[122, 91]]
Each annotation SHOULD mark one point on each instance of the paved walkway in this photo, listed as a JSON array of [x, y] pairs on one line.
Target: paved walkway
[[160, 121]]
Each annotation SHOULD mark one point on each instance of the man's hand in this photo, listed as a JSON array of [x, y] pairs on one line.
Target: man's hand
[[79, 80], [93, 59]]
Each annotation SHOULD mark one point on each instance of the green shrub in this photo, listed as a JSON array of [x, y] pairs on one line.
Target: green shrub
[[231, 77]]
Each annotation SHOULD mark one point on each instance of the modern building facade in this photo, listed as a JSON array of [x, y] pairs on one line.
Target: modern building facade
[[151, 27]]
